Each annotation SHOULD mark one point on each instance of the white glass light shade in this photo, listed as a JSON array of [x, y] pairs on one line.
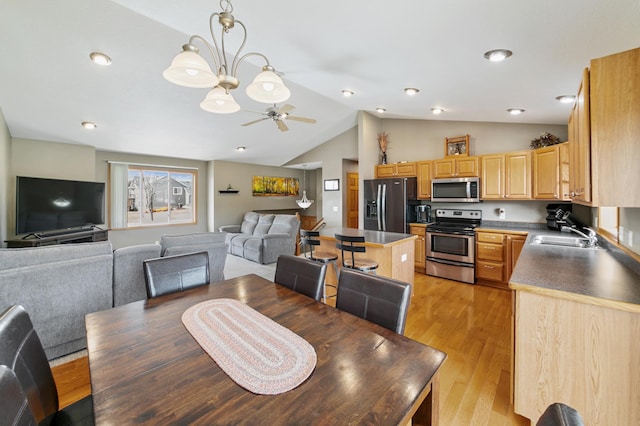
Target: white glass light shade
[[304, 202], [189, 69], [219, 101], [268, 88]]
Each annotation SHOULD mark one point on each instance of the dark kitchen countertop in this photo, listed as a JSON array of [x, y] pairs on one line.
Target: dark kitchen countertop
[[602, 277], [378, 238]]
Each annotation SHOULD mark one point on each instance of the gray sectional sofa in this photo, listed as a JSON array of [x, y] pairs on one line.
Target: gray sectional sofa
[[59, 285], [262, 238]]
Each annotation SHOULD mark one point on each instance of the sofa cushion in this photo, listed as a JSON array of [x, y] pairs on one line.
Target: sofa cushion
[[249, 222], [128, 272], [284, 224], [264, 224]]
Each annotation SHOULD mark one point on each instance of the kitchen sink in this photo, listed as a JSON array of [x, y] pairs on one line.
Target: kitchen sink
[[564, 241]]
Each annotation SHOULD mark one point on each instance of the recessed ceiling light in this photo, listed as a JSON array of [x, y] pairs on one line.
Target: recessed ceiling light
[[100, 58], [437, 110], [88, 124], [241, 148], [566, 99], [515, 111], [497, 55], [411, 91], [347, 93], [381, 110]]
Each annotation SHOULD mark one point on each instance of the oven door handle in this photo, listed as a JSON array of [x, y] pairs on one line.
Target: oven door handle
[[450, 262], [461, 233]]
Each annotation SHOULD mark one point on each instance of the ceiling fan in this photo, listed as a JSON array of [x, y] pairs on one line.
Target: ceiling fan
[[279, 116]]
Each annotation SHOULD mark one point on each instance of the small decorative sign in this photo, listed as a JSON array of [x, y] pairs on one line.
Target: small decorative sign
[[456, 146], [332, 184]]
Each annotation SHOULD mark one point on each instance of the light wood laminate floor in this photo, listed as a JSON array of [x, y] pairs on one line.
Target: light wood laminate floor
[[471, 323]]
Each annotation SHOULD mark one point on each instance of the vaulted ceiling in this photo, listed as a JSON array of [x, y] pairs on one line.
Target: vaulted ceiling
[[48, 85]]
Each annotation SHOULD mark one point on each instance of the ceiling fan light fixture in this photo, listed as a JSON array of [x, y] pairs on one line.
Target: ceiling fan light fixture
[[219, 101], [268, 88], [497, 55], [515, 111], [189, 69]]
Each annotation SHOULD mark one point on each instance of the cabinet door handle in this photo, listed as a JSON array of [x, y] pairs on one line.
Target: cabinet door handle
[[488, 267]]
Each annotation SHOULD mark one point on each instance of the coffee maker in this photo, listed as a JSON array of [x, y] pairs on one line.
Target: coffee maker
[[423, 213]]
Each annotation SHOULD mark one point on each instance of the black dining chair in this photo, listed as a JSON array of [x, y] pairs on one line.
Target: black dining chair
[[301, 275], [558, 414], [381, 300], [308, 240], [171, 274], [22, 351], [14, 405], [352, 244]]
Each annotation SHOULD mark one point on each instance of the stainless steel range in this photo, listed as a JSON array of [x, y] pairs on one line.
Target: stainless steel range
[[451, 244]]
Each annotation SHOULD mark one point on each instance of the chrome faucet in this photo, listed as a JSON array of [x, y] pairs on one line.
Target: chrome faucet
[[591, 237]]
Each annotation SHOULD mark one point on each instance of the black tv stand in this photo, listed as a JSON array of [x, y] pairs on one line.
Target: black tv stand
[[84, 235]]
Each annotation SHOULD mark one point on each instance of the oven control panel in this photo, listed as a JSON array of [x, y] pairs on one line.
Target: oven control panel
[[459, 214]]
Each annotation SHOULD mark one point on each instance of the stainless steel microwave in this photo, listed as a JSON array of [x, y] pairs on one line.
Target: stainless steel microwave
[[456, 190]]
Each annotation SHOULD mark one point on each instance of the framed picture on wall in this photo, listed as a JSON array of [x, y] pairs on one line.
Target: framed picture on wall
[[332, 184]]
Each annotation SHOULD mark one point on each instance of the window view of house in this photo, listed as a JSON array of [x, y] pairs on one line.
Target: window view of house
[[159, 197]]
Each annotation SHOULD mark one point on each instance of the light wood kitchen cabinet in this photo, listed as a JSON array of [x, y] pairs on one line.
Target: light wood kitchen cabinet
[[546, 173], [396, 170], [615, 126], [419, 229], [506, 176], [496, 256], [424, 179], [580, 148], [490, 255], [456, 167]]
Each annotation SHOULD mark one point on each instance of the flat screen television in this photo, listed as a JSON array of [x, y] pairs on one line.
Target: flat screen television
[[46, 205]]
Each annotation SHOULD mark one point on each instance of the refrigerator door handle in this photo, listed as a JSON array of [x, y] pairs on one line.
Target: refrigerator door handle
[[378, 206], [384, 207]]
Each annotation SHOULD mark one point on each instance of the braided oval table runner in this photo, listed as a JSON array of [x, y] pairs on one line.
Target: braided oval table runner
[[256, 352]]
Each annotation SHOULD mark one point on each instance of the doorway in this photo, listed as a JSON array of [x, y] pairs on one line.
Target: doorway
[[352, 200]]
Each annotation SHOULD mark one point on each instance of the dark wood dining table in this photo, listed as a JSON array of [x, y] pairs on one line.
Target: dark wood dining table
[[147, 369]]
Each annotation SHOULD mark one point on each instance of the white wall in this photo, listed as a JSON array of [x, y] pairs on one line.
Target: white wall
[[5, 180]]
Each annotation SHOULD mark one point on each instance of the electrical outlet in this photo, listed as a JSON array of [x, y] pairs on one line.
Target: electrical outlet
[[630, 239], [502, 214], [335, 208], [403, 258]]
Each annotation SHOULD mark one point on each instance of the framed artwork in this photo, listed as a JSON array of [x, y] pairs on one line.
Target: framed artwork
[[274, 186], [332, 184], [456, 146]]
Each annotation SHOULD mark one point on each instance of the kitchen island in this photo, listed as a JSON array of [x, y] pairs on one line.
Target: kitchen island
[[393, 252], [576, 333]]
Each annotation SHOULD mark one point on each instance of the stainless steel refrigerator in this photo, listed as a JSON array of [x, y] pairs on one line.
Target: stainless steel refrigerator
[[389, 204]]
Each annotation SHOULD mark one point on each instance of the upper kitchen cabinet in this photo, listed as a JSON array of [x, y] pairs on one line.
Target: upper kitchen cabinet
[[580, 145], [456, 167], [615, 129], [506, 176], [550, 173], [396, 170], [424, 179]]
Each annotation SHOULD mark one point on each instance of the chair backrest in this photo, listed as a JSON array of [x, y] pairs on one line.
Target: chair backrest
[[171, 274], [558, 414], [378, 299], [351, 244], [308, 239], [14, 405], [22, 351], [301, 275]]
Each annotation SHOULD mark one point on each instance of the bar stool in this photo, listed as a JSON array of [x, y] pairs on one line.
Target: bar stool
[[355, 244], [308, 239]]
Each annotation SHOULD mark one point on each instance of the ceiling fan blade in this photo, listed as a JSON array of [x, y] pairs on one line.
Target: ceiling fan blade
[[255, 121], [285, 108], [303, 119], [283, 127]]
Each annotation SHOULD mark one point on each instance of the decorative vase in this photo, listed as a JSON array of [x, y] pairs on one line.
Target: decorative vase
[[384, 158]]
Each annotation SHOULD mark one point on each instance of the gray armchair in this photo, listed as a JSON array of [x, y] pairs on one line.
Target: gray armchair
[[262, 238]]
